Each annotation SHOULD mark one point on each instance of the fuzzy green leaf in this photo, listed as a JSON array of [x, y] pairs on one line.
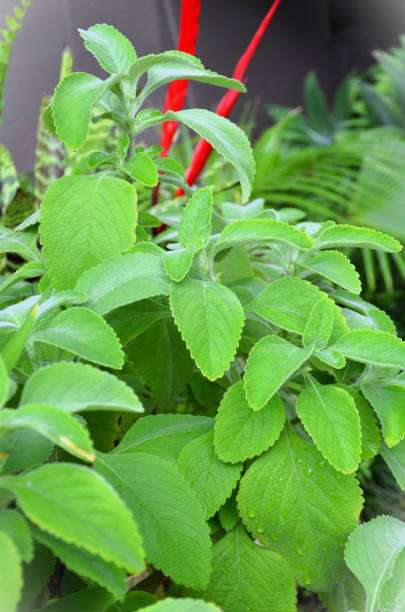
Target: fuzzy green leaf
[[11, 582], [388, 402], [226, 137], [112, 50], [370, 432], [240, 433], [304, 508], [13, 524], [76, 387], [371, 552], [75, 504], [195, 223], [177, 263], [181, 605], [52, 423], [4, 384], [329, 415], [163, 434], [336, 267], [72, 104], [210, 319], [20, 243], [245, 232], [247, 576], [124, 279], [84, 333], [395, 459], [170, 518], [373, 347], [83, 563], [270, 364], [352, 236], [141, 168], [318, 328], [85, 220], [211, 479]]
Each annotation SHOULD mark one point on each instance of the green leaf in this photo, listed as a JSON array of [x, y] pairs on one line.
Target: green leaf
[[163, 434], [85, 220], [91, 599], [166, 377], [395, 459], [195, 223], [245, 232], [112, 50], [15, 346], [124, 279], [270, 364], [240, 433], [247, 576], [23, 244], [177, 263], [331, 358], [392, 595], [170, 518], [210, 319], [13, 524], [318, 328], [227, 138], [23, 449], [347, 594], [211, 479], [388, 402], [31, 269], [10, 574], [181, 605], [336, 267], [134, 600], [141, 168], [83, 563], [146, 62], [76, 387], [287, 302], [371, 552], [373, 347], [370, 432], [53, 423], [352, 236], [75, 504], [85, 333], [72, 104], [329, 415], [304, 508], [4, 384]]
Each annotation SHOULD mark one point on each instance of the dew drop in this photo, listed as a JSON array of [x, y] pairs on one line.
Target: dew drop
[[307, 580], [260, 529], [310, 470], [251, 514]]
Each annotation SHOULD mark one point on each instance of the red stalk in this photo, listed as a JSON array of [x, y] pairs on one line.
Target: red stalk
[[203, 149]]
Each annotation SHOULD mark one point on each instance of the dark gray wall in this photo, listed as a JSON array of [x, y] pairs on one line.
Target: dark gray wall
[[330, 36]]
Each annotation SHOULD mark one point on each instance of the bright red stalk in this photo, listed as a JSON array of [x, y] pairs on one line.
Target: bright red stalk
[[227, 102], [177, 91]]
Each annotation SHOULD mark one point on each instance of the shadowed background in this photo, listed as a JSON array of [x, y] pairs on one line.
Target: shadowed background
[[331, 37]]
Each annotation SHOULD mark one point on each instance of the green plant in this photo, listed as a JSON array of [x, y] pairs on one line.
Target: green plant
[[260, 370]]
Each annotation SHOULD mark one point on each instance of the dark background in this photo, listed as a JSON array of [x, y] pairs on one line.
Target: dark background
[[332, 37]]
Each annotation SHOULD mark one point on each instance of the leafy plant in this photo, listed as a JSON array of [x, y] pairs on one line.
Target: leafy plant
[[267, 383]]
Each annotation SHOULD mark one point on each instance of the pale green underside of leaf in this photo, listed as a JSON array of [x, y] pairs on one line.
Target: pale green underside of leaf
[[163, 434], [4, 383], [83, 563], [177, 263], [210, 319], [181, 605], [370, 554], [245, 232], [373, 347], [211, 479], [111, 48], [84, 333], [352, 236], [21, 243], [247, 576], [294, 501], [329, 415], [195, 223], [85, 220], [124, 279], [318, 328], [11, 581], [226, 137], [336, 267], [241, 433], [58, 426], [388, 403], [395, 459], [142, 169], [76, 387], [75, 504], [270, 364], [13, 524], [170, 518]]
